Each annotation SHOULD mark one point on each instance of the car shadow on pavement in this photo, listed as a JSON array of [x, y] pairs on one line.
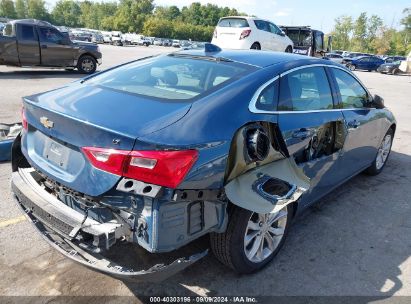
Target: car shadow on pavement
[[351, 243], [40, 74]]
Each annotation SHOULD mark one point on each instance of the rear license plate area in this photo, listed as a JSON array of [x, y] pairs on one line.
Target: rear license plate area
[[56, 153]]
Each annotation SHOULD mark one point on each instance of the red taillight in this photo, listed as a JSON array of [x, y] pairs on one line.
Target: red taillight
[[245, 34], [164, 168], [24, 119], [109, 160], [215, 33]]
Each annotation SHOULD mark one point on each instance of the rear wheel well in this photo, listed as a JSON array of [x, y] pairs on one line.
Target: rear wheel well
[[256, 46], [393, 127], [18, 160]]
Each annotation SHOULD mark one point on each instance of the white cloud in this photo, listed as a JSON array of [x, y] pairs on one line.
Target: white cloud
[[283, 13]]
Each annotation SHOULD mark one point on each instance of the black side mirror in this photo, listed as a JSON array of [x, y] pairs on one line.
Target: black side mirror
[[377, 102]]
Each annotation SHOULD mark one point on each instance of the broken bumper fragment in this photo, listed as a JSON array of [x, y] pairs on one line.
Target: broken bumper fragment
[[8, 133], [56, 221]]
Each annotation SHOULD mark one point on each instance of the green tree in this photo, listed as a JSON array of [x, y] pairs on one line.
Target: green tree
[[66, 12], [21, 9], [36, 9], [359, 40], [406, 21], [7, 9], [167, 12], [342, 33], [156, 27], [374, 25], [131, 14]]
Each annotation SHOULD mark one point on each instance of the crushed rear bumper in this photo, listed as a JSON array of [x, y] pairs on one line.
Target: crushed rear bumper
[[54, 221]]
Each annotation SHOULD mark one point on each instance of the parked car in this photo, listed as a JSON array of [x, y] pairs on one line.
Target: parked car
[[8, 132], [391, 59], [144, 41], [80, 36], [176, 43], [161, 151], [369, 63], [250, 33], [350, 55], [97, 38], [31, 42], [390, 68], [116, 38], [335, 57], [167, 42], [106, 37], [158, 41], [2, 25]]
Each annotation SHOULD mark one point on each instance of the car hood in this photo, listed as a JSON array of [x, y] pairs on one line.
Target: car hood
[[85, 44]]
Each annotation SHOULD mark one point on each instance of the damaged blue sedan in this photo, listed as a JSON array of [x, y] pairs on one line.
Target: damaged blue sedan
[[161, 151]]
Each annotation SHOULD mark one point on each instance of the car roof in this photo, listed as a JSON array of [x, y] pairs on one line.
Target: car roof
[[251, 57], [32, 22]]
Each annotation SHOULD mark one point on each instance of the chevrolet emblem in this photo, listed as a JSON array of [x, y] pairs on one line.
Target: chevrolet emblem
[[46, 122]]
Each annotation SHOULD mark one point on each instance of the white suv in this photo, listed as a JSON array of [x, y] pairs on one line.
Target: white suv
[[250, 33]]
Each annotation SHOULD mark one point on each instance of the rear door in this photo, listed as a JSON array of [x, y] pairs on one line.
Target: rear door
[[264, 35], [278, 40], [53, 50], [362, 123], [311, 128], [28, 44]]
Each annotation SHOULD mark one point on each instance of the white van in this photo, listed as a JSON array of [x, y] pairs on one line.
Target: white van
[[239, 32]]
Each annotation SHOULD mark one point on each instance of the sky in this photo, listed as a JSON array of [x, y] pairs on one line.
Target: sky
[[320, 14]]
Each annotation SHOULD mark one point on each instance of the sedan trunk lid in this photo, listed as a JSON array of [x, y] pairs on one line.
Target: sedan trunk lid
[[63, 121]]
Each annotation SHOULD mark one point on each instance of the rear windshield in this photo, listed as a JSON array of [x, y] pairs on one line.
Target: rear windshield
[[233, 22], [170, 77]]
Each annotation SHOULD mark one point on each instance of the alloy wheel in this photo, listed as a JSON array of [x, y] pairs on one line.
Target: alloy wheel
[[383, 151], [263, 234], [87, 65]]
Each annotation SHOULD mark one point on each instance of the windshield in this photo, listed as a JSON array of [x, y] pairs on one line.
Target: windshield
[[233, 22], [170, 77]]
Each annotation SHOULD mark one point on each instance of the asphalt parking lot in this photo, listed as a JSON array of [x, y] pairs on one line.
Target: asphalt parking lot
[[355, 242]]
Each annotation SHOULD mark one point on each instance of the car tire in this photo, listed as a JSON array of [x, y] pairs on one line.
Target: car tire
[[352, 67], [395, 71], [289, 49], [230, 249], [382, 155], [87, 64], [255, 46]]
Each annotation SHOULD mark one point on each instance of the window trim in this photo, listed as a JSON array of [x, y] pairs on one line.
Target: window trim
[[253, 108]]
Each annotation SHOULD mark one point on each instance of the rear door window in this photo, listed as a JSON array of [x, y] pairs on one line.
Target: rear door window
[[307, 89], [262, 25], [267, 99], [27, 32], [233, 22]]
